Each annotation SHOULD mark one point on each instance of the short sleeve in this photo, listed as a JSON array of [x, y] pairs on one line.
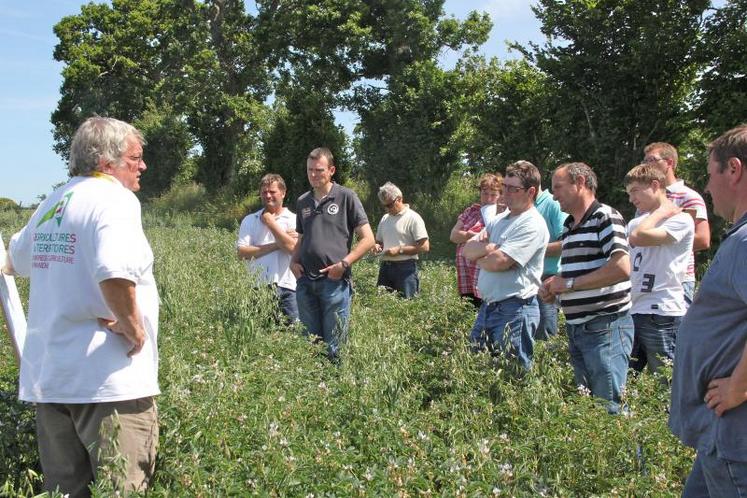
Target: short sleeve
[[612, 235], [245, 235], [19, 246], [356, 215], [418, 230], [120, 247], [679, 226], [523, 241]]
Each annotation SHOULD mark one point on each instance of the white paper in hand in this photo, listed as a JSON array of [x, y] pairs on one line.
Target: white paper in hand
[[488, 212], [12, 307]]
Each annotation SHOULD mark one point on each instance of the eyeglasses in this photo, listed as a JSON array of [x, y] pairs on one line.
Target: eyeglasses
[[390, 204], [512, 189]]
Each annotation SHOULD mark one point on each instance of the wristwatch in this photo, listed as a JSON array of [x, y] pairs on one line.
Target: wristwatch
[[401, 249], [569, 283], [344, 264]]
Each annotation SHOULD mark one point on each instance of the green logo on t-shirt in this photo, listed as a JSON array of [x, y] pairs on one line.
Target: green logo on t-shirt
[[57, 211]]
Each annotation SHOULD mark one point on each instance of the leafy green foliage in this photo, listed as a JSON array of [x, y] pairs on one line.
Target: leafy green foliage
[[722, 102], [620, 75]]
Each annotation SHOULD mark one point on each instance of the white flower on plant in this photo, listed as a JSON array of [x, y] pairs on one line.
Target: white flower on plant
[[368, 475], [503, 438], [506, 469], [484, 447], [283, 442], [583, 390], [496, 491], [273, 430]]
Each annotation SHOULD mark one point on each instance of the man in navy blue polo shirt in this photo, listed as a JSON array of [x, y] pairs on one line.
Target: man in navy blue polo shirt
[[326, 218]]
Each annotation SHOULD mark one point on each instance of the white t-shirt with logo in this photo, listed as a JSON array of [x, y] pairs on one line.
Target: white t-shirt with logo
[[86, 231], [273, 267], [657, 272]]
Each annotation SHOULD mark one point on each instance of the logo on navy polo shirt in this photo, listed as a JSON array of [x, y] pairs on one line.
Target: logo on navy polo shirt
[[305, 212], [333, 209]]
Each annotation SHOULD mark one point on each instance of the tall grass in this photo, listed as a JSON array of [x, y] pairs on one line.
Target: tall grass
[[250, 407]]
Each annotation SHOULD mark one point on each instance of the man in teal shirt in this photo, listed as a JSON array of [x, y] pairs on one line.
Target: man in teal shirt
[[554, 218]]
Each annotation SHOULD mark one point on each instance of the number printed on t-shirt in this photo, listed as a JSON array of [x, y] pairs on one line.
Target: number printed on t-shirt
[[647, 284]]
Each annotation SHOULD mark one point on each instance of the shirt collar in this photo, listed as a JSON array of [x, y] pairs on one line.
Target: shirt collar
[[569, 219], [736, 226]]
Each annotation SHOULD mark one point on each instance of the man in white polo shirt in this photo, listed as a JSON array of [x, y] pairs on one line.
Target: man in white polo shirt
[[90, 361], [400, 237], [266, 241]]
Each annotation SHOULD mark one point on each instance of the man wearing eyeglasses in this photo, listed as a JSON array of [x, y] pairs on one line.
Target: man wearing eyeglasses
[[90, 360], [664, 156], [510, 253], [400, 237]]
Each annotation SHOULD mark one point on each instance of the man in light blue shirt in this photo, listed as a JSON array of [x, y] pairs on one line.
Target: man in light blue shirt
[[510, 253], [554, 218]]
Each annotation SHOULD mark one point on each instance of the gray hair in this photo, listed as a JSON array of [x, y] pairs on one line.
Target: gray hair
[[577, 170], [100, 138], [389, 192]]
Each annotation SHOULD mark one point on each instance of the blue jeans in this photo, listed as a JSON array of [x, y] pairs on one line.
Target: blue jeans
[[288, 303], [401, 276], [715, 477], [507, 327], [689, 289], [324, 309], [600, 352], [653, 341], [548, 324]]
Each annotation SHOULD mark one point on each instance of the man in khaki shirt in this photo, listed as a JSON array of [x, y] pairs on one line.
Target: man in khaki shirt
[[400, 237]]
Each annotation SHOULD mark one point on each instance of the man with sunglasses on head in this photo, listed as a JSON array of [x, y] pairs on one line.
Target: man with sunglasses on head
[[400, 237], [510, 253]]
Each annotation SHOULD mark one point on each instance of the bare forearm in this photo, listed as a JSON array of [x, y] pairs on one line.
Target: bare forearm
[[249, 252], [359, 250], [495, 260], [475, 249], [616, 270], [554, 249], [702, 240]]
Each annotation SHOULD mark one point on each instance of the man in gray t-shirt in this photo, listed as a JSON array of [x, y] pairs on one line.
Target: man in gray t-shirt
[[510, 253], [709, 387]]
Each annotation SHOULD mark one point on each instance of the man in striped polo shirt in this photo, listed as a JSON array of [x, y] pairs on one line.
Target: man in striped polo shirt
[[664, 157], [593, 285]]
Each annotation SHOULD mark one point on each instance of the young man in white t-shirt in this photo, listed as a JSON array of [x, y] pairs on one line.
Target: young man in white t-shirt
[[661, 242], [266, 241], [664, 157]]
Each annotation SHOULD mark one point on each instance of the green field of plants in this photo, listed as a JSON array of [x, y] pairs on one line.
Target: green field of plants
[[252, 408]]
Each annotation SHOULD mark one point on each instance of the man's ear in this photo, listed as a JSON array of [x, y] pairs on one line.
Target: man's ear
[[735, 168], [103, 166]]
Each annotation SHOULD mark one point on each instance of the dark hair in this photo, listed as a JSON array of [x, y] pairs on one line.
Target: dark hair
[[733, 143], [527, 173]]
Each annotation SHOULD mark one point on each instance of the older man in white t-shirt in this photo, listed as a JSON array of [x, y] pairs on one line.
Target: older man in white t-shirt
[[90, 361], [267, 238]]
